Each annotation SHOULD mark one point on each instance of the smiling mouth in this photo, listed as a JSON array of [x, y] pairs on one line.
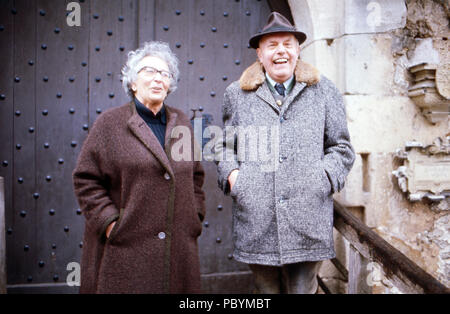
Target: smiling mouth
[[156, 89], [280, 61]]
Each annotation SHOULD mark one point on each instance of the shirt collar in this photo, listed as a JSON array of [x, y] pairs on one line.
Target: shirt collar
[[287, 84], [147, 113]]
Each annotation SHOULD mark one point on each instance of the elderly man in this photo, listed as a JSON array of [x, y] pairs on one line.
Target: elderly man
[[283, 214]]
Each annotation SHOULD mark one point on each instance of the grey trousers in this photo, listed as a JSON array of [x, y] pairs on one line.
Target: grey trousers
[[298, 278]]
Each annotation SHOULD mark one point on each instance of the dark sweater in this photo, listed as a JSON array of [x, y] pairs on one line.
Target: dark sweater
[[157, 123]]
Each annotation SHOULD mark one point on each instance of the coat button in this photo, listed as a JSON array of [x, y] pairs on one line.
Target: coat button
[[162, 235], [283, 199], [167, 176], [282, 158]]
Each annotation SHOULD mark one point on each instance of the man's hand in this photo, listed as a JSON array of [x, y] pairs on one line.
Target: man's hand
[[232, 178], [109, 228]]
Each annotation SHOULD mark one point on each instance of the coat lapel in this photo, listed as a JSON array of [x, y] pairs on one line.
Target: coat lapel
[[298, 87], [140, 129], [171, 123], [253, 79], [265, 94]]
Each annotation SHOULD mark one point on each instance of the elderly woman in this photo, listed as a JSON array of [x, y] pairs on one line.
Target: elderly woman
[[143, 209]]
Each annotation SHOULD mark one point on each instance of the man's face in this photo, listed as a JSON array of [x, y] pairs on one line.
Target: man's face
[[279, 53]]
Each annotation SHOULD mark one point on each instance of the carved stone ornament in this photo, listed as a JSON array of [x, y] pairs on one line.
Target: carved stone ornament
[[431, 90], [425, 172]]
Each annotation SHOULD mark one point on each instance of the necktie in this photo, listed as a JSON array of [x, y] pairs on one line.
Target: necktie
[[280, 89]]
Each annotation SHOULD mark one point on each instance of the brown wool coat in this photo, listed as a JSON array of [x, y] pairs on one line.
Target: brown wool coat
[[124, 174]]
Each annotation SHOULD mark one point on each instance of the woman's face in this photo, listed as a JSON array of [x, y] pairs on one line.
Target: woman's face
[[153, 81]]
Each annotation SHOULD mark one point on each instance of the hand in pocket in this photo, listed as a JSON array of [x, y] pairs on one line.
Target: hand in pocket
[[110, 228]]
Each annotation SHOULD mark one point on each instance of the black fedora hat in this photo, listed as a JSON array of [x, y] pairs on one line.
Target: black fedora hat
[[276, 23]]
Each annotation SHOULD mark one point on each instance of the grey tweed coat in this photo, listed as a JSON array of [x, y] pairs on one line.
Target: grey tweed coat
[[283, 205]]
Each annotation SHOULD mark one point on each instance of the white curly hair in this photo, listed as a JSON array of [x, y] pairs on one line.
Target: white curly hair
[[153, 48]]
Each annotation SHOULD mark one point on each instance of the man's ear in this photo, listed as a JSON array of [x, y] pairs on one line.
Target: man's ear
[[259, 54]]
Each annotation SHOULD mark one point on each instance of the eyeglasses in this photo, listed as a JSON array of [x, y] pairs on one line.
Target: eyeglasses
[[151, 72]]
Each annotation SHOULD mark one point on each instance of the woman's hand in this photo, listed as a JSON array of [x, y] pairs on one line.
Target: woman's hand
[[109, 228]]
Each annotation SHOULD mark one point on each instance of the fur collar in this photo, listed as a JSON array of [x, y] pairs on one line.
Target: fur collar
[[254, 75]]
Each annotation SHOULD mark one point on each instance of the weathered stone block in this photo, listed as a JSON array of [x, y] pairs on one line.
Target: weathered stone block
[[424, 52], [368, 64], [383, 124], [367, 16], [326, 58], [357, 64], [338, 18], [353, 194]]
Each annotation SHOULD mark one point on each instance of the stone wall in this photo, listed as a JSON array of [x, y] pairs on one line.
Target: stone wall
[[366, 47]]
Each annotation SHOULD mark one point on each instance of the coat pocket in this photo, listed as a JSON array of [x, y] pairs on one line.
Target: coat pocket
[[195, 224], [234, 191], [326, 182], [114, 230]]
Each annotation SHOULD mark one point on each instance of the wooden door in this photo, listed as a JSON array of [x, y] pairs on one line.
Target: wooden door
[[56, 79]]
